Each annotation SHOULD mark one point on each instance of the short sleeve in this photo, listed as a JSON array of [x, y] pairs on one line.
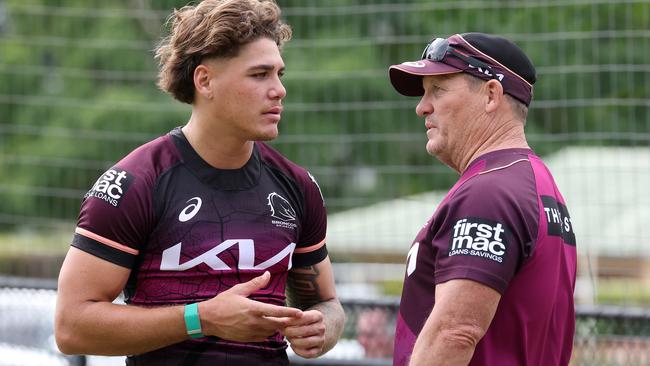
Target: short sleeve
[[484, 232], [115, 216], [117, 213], [311, 248]]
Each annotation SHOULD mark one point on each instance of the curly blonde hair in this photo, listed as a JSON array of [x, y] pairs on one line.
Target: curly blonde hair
[[213, 28]]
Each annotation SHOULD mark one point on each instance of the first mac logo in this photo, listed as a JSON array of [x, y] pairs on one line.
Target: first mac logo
[[476, 237], [111, 186]]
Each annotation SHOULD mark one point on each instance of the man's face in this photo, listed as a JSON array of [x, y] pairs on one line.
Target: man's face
[[248, 91], [448, 107]]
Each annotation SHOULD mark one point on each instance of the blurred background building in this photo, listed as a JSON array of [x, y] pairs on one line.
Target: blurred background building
[[77, 92]]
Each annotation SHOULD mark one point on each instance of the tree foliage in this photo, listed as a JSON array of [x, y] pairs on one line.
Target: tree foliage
[[77, 89]]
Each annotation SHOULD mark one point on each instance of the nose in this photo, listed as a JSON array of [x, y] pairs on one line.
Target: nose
[[423, 108], [278, 90]]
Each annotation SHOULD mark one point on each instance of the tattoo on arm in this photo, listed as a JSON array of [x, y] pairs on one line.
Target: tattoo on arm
[[302, 287], [303, 292]]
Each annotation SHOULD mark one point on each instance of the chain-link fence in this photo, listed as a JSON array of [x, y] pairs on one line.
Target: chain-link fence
[[77, 92], [605, 335]]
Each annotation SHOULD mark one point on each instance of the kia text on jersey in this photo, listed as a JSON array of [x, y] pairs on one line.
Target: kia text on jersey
[[172, 256]]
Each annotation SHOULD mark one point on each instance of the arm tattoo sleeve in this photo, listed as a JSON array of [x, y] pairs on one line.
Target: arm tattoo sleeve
[[302, 287], [303, 293]]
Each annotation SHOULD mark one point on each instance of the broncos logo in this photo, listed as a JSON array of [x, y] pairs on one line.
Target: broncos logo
[[280, 208]]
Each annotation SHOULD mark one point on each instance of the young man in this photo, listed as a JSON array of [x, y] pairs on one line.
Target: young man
[[490, 277], [202, 228]]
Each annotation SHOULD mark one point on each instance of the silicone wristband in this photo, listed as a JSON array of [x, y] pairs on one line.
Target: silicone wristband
[[192, 321]]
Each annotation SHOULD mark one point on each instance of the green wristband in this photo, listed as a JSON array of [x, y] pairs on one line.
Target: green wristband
[[192, 321]]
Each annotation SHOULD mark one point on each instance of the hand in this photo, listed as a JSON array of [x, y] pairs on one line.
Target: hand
[[306, 334], [232, 316]]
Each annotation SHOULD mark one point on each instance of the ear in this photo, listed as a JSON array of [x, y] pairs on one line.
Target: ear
[[202, 77], [494, 94]]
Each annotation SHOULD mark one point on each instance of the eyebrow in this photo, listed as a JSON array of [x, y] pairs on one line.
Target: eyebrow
[[264, 67], [439, 81], [437, 84]]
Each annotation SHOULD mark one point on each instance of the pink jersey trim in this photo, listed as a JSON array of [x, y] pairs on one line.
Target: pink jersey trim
[[503, 167], [105, 241], [310, 248]]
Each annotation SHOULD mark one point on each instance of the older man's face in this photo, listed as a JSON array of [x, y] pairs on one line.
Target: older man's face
[[448, 107]]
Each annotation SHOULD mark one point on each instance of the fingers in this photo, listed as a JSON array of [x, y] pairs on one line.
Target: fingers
[[308, 347], [247, 288], [256, 329], [308, 317], [275, 311], [304, 331], [271, 318], [309, 353], [307, 334], [237, 317], [271, 323]]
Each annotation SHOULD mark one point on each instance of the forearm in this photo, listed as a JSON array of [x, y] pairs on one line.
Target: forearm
[[312, 289], [103, 328], [334, 319], [462, 314], [442, 348]]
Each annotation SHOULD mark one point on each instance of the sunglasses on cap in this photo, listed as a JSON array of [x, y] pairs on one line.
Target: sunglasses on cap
[[456, 54], [438, 48]]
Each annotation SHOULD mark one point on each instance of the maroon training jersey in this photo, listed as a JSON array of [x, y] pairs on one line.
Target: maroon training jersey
[[189, 231], [503, 224]]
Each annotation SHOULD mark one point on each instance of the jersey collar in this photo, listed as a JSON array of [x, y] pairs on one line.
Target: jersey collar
[[243, 178]]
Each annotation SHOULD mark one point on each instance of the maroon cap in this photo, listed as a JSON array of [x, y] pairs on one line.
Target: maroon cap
[[506, 62]]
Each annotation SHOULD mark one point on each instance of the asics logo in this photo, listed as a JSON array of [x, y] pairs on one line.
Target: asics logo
[[191, 209]]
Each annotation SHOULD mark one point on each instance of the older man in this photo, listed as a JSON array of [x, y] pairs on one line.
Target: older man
[[490, 277]]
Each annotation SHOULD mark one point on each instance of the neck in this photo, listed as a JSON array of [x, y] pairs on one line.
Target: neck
[[499, 135], [212, 142]]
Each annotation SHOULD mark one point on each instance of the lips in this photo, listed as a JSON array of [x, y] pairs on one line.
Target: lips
[[273, 114], [274, 110]]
